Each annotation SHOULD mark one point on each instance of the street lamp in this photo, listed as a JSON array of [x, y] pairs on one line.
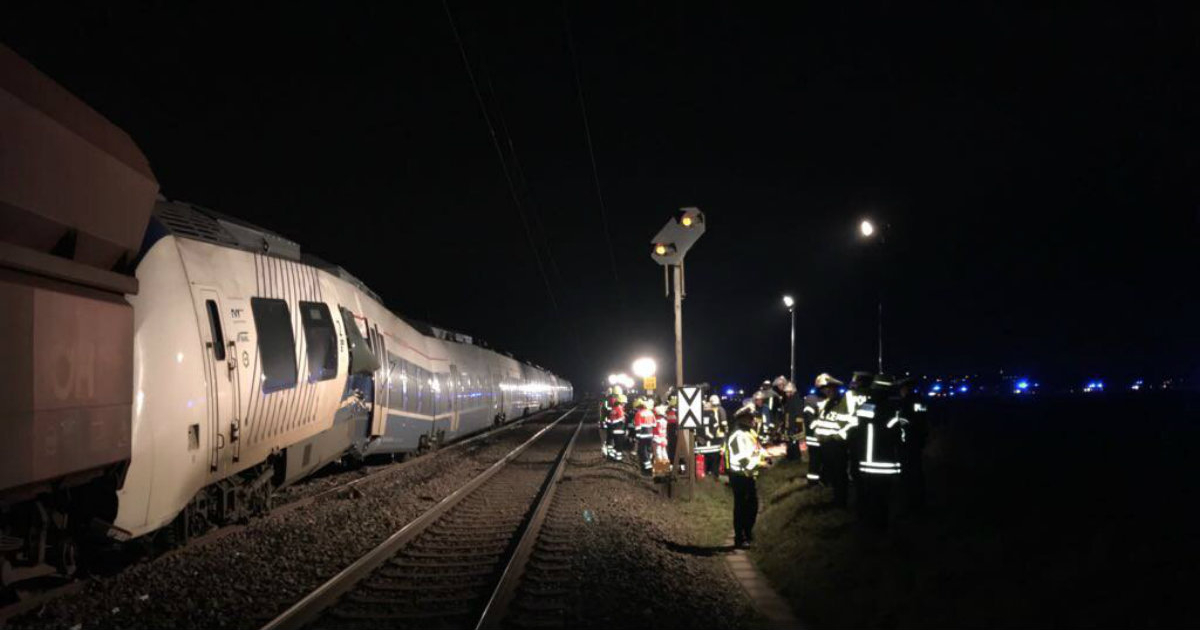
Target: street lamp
[[790, 304], [868, 231], [644, 367]]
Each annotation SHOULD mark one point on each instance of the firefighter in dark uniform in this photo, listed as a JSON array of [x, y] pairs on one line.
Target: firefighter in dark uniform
[[878, 449], [793, 420], [912, 475], [813, 406], [743, 457], [709, 436], [832, 428], [614, 427]]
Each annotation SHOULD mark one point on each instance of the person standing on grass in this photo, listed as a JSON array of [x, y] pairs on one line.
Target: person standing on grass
[[743, 456]]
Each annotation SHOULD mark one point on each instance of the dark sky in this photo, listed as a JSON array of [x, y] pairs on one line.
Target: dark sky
[[1038, 168]]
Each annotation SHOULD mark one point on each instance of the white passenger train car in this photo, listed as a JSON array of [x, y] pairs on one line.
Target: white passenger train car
[[255, 366]]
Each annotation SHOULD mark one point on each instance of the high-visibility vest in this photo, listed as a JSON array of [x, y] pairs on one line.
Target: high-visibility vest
[[643, 423], [743, 454]]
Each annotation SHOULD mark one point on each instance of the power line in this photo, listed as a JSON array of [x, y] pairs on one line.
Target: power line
[[500, 153], [587, 129]]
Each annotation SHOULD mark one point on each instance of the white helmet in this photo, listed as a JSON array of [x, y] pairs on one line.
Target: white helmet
[[714, 400], [825, 380]]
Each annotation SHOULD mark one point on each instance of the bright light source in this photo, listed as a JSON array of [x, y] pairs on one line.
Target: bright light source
[[1022, 384], [788, 301], [686, 221], [612, 379], [644, 367], [866, 228], [728, 391], [660, 249], [962, 388]]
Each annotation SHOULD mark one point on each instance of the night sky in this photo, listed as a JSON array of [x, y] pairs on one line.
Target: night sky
[[1038, 170]]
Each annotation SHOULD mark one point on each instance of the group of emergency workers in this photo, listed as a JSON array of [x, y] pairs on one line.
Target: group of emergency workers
[[647, 427], [868, 437]]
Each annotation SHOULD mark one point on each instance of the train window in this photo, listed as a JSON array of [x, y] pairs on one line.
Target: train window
[[276, 343], [320, 341], [362, 361], [214, 324]]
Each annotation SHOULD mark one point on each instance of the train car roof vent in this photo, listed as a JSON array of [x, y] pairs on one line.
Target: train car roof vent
[[261, 240], [184, 220]]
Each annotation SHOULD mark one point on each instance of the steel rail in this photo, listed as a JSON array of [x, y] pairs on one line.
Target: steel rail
[[312, 605], [497, 607]]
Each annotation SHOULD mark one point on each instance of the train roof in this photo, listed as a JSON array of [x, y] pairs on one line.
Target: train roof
[[189, 220]]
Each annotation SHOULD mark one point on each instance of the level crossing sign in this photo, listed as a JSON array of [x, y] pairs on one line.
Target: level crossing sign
[[689, 407]]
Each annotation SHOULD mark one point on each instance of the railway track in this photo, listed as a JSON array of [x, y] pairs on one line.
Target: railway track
[[31, 599], [456, 565]]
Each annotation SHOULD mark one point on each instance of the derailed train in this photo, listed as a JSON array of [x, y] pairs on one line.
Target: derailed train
[[256, 365], [169, 367]]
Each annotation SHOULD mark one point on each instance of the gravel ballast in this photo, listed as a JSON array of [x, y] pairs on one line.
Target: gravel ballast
[[247, 577], [616, 553]]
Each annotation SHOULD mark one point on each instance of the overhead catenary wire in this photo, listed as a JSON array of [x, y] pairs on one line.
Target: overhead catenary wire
[[587, 130], [500, 153]]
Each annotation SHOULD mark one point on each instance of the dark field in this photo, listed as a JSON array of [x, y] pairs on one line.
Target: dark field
[[1066, 512]]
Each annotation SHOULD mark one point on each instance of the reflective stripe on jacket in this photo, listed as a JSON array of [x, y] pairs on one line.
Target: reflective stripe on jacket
[[743, 454]]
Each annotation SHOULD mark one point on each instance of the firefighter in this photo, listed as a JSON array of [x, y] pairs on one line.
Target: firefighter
[[821, 428], [811, 410], [878, 449], [776, 399], [912, 475], [672, 416], [643, 428], [759, 401], [614, 427], [793, 424], [743, 456], [661, 457], [708, 440], [832, 428]]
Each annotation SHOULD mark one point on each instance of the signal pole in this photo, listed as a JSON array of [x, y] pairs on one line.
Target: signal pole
[[669, 247]]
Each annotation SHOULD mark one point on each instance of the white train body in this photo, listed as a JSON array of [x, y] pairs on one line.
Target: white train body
[[243, 373]]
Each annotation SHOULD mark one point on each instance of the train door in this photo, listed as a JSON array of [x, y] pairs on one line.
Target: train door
[[220, 366], [382, 379], [453, 392]]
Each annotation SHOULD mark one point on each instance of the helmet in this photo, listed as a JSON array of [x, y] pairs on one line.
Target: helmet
[[622, 399], [745, 415], [714, 400], [640, 402], [862, 379], [790, 388], [617, 390], [759, 395], [779, 382], [766, 384], [825, 380]]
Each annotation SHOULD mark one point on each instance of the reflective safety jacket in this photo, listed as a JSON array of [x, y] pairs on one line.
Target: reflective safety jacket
[[880, 449], [643, 424], [742, 453], [834, 419], [707, 440], [808, 415], [616, 419], [660, 430]]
